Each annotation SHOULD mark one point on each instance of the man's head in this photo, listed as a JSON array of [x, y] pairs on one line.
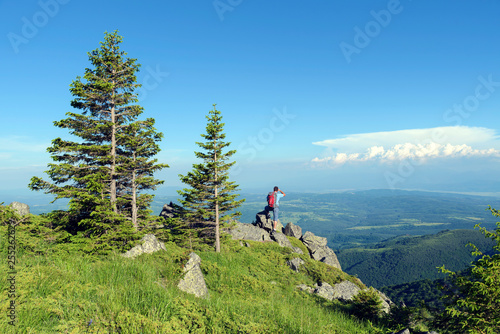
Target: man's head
[[276, 188]]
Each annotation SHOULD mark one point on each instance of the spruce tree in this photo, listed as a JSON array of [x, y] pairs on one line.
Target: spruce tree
[[95, 171], [136, 168], [211, 196]]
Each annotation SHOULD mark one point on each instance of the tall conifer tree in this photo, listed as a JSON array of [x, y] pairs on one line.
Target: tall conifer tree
[[211, 196], [94, 171], [136, 168]]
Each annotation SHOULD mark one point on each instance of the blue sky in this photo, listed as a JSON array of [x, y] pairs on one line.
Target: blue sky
[[316, 96]]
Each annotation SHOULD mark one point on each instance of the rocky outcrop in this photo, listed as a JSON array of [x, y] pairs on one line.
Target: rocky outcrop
[[293, 230], [324, 290], [327, 255], [303, 287], [243, 231], [262, 221], [345, 290], [313, 241], [169, 211], [248, 232], [193, 281], [319, 250], [404, 331], [149, 245], [386, 302], [281, 239], [21, 208], [295, 264]]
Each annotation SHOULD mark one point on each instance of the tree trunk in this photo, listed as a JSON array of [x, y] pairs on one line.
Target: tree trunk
[[112, 190], [217, 238], [134, 202]]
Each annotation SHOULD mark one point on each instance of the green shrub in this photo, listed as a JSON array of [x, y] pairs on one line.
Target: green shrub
[[473, 298], [367, 304]]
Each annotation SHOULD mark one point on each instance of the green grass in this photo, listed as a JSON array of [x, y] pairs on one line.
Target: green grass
[[252, 290], [63, 293]]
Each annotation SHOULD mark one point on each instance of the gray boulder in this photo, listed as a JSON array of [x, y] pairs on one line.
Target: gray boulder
[[194, 261], [295, 264], [21, 208], [386, 302], [313, 241], [325, 290], [297, 250], [149, 245], [169, 211], [303, 287], [404, 331], [319, 251], [262, 221], [193, 281], [325, 254], [281, 239], [293, 230], [345, 290], [242, 231]]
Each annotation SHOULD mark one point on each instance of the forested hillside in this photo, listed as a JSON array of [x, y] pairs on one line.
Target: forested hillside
[[407, 259], [414, 294]]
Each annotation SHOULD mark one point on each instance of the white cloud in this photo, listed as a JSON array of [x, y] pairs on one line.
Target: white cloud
[[416, 144], [455, 135]]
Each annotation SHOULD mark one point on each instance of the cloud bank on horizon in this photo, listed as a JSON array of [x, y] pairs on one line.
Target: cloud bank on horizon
[[415, 144]]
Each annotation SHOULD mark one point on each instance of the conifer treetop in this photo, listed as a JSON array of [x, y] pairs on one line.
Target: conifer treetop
[[110, 84]]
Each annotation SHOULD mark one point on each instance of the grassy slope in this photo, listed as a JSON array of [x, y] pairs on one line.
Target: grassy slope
[[252, 290], [408, 259]]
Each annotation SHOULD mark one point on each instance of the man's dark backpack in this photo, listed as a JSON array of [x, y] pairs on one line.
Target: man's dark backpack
[[271, 199]]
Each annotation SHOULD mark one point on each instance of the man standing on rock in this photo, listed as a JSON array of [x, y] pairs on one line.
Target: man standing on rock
[[277, 194]]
